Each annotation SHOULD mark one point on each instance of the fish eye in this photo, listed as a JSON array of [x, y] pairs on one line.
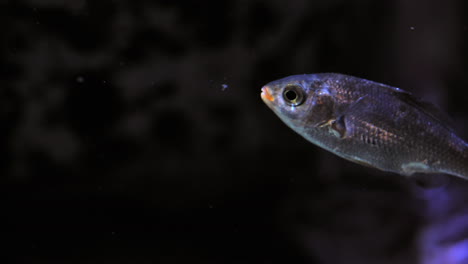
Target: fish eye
[[293, 95]]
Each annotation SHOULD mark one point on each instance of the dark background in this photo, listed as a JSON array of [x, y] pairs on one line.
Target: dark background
[[133, 132]]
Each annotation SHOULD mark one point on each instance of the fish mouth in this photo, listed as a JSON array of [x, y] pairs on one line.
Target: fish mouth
[[266, 94]]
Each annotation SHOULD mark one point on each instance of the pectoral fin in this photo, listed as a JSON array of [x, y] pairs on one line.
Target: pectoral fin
[[322, 109], [343, 125], [339, 123], [327, 115], [338, 127]]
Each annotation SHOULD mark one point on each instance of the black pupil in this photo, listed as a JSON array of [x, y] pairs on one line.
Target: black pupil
[[291, 95]]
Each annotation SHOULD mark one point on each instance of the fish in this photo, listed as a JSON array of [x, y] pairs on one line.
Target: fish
[[369, 123]]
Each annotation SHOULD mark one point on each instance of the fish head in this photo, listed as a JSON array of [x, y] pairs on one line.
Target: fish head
[[292, 99]]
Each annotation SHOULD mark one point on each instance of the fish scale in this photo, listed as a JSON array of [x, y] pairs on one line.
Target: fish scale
[[368, 123]]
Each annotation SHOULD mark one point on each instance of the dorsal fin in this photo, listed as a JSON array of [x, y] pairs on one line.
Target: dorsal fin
[[425, 107]]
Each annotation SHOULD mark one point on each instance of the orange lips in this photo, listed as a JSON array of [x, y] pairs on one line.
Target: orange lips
[[266, 94]]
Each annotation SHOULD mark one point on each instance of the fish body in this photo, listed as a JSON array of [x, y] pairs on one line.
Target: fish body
[[368, 123]]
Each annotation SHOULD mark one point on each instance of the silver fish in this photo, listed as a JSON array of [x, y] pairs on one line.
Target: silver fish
[[368, 123]]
